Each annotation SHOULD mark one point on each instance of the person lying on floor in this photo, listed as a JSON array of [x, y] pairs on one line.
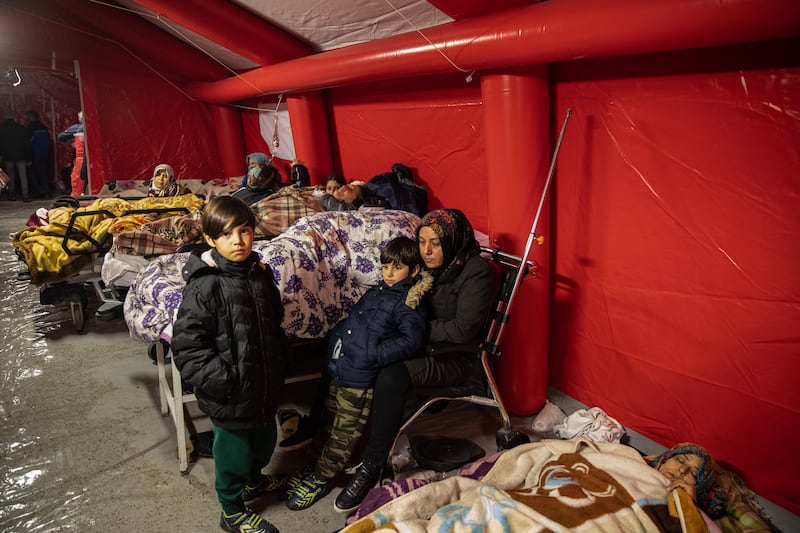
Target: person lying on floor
[[386, 325], [717, 491], [350, 197]]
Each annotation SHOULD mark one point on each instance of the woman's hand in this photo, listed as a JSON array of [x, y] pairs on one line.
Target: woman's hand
[[688, 489]]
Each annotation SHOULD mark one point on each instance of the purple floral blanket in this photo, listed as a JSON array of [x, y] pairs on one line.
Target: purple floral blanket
[[322, 264]]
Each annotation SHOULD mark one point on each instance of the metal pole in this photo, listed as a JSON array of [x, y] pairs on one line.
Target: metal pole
[[521, 270]]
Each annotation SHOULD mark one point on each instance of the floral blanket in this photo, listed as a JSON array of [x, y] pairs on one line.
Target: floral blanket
[[552, 485], [322, 264]]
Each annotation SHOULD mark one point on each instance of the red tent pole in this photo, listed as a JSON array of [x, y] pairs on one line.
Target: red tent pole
[[517, 154], [312, 144], [230, 140]]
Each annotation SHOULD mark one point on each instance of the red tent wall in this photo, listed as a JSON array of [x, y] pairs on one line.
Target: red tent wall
[[136, 120], [433, 125], [677, 299]]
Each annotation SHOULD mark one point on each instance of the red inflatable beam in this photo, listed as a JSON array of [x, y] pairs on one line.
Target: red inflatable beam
[[542, 33], [234, 28]]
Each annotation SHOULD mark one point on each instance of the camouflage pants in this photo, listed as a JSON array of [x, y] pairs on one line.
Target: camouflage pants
[[344, 418]]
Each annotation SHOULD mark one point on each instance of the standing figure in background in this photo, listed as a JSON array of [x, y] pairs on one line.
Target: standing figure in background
[[15, 151], [41, 147], [79, 176]]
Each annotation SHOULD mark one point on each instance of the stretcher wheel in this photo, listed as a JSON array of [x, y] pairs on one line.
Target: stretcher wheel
[[77, 308], [510, 438]]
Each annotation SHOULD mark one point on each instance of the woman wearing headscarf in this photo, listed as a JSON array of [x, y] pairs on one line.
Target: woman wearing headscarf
[[717, 491], [163, 182], [253, 160], [463, 289], [262, 180]]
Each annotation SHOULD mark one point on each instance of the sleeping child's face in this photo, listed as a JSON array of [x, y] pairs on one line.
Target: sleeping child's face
[[394, 272], [161, 180], [235, 244]]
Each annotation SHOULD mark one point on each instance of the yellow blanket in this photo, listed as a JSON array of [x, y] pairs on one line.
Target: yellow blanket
[[43, 247]]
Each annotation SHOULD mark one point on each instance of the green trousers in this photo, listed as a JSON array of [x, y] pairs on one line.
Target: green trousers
[[239, 456]]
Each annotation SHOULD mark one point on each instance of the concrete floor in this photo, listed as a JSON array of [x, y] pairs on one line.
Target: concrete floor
[[84, 444]]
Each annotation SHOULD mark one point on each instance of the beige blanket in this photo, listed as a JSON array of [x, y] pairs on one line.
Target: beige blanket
[[552, 485]]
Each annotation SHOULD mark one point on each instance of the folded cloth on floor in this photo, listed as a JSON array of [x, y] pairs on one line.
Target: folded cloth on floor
[[592, 423], [548, 417]]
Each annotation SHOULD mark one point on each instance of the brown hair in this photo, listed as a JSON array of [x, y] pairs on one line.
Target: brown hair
[[403, 251], [223, 213]]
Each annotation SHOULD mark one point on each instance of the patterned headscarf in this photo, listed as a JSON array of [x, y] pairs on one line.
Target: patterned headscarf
[[457, 238], [256, 157], [172, 188], [706, 474], [262, 177]]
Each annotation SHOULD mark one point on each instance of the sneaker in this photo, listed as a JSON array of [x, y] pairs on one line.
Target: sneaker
[[354, 492], [276, 483], [307, 492], [245, 522], [267, 484]]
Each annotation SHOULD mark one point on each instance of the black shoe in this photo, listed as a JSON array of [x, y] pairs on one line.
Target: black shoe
[[356, 490]]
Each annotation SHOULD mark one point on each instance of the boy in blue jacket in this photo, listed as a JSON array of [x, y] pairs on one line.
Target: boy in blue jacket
[[388, 324]]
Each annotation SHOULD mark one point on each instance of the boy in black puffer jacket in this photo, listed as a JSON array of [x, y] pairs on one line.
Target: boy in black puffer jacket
[[388, 324], [228, 344]]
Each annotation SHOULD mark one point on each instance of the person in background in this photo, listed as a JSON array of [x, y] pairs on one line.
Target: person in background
[[79, 173], [229, 346], [40, 174], [299, 174], [463, 289], [163, 182], [262, 180], [333, 183], [15, 151], [253, 160], [388, 324], [350, 197]]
